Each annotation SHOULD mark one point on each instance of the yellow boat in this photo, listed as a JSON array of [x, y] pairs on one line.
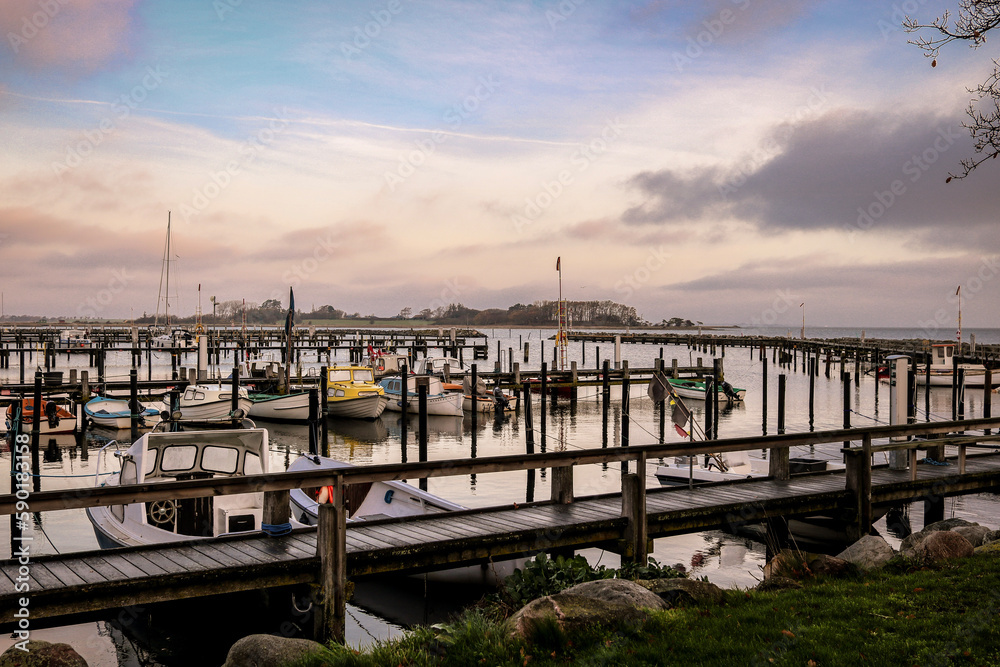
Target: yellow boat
[[352, 392]]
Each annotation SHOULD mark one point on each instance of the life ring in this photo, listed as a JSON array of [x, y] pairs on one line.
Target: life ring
[[380, 365], [324, 494]]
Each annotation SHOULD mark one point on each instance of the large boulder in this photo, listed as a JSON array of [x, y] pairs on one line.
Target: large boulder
[[971, 531], [992, 536], [990, 548], [618, 591], [680, 591], [42, 654], [938, 546], [975, 533], [777, 583], [868, 553], [570, 612], [269, 651]]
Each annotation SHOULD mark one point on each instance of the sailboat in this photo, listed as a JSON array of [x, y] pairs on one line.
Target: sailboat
[[177, 338]]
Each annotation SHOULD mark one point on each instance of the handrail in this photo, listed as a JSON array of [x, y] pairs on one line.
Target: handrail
[[279, 481]]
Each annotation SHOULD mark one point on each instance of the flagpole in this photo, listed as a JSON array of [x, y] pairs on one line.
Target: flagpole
[[959, 293]]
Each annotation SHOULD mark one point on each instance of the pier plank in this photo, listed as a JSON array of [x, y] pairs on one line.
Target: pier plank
[[65, 575], [42, 579]]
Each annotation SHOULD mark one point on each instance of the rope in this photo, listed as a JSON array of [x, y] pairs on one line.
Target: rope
[[276, 529]]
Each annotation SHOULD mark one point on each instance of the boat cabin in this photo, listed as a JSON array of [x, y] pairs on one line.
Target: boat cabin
[[941, 355], [158, 457]]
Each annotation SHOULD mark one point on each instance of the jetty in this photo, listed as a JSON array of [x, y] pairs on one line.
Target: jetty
[[64, 586]]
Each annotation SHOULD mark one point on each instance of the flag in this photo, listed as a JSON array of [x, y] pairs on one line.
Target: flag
[[290, 318], [681, 432], [657, 389], [680, 414], [558, 262]]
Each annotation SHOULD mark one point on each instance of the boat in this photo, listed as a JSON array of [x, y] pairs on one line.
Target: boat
[[212, 402], [481, 400], [54, 419], [177, 338], [280, 407], [165, 457], [942, 365], [371, 500], [439, 401], [695, 389], [74, 338], [116, 413], [351, 392]]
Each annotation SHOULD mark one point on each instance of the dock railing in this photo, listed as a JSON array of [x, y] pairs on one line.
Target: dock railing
[[331, 541]]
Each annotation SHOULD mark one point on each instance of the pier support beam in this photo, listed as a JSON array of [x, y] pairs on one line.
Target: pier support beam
[[562, 485], [636, 548], [331, 545], [859, 482]]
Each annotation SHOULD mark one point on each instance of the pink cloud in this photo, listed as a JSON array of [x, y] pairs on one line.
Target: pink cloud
[[77, 36]]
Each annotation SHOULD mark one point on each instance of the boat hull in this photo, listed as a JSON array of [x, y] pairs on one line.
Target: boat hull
[[114, 413], [359, 407], [443, 405], [696, 391], [213, 410], [289, 408]]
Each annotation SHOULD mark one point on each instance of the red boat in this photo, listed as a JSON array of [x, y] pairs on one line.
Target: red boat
[[54, 417]]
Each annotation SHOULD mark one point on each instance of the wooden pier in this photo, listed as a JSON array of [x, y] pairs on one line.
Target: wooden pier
[[61, 586]]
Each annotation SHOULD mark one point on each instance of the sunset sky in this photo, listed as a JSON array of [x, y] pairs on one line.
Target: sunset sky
[[722, 161]]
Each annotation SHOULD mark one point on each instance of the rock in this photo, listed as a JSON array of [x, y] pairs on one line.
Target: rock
[[42, 654], [679, 592], [991, 536], [911, 542], [801, 565], [975, 533], [990, 548], [948, 524], [570, 612], [269, 651], [619, 591], [777, 583], [868, 553], [941, 545]]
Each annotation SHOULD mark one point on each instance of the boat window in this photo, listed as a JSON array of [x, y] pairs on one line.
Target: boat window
[[340, 375], [338, 393], [220, 459], [940, 353], [252, 465], [149, 461], [128, 475], [363, 375], [226, 396], [189, 394], [179, 457]]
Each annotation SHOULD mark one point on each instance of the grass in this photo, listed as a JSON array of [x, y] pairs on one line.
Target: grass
[[948, 615]]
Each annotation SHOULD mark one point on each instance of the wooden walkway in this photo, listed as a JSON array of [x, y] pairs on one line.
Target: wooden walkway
[[76, 583]]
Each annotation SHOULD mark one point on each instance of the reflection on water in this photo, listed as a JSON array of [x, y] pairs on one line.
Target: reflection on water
[[563, 425]]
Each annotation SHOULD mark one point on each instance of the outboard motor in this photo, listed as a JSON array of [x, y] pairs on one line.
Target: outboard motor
[[727, 389], [500, 401], [52, 414]]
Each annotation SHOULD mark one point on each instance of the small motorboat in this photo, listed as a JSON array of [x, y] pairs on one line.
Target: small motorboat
[[212, 402], [695, 389], [116, 413], [351, 392], [280, 407], [54, 418], [162, 457], [942, 369], [74, 338], [439, 400]]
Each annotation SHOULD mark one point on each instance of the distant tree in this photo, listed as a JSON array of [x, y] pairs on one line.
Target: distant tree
[[975, 19], [405, 313]]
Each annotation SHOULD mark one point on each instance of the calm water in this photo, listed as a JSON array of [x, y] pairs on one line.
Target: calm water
[[724, 559]]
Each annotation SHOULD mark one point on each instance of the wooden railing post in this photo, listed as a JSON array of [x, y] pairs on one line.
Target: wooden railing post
[[634, 509], [331, 545], [778, 466], [859, 481], [562, 485], [277, 508]]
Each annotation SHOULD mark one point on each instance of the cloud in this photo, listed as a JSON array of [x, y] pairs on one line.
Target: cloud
[[849, 169], [72, 36]]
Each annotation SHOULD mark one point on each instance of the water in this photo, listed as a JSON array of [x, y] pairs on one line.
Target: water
[[726, 560]]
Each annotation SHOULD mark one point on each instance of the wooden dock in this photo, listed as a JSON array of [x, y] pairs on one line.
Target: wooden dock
[[68, 584]]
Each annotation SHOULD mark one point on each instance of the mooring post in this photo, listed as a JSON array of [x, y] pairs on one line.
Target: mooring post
[[135, 410], [331, 545], [562, 485], [781, 404], [324, 403], [277, 509], [859, 482], [763, 393], [634, 510], [422, 421], [987, 396]]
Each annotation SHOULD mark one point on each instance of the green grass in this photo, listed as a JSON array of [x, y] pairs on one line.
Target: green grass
[[943, 616]]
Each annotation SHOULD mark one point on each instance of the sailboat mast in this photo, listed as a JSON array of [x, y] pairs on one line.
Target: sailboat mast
[[166, 295]]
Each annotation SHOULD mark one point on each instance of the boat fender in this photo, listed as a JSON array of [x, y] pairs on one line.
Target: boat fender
[[388, 496]]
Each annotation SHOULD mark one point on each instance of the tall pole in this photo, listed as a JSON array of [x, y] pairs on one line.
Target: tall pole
[[802, 334], [958, 293]]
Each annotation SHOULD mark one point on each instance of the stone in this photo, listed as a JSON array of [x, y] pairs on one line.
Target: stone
[[869, 553], [42, 654], [948, 524], [829, 566], [570, 612], [619, 591], [680, 592], [990, 549], [991, 536], [941, 545], [975, 533], [269, 650], [802, 565]]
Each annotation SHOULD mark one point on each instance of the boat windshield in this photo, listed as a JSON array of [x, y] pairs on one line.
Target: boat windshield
[[340, 375], [363, 375]]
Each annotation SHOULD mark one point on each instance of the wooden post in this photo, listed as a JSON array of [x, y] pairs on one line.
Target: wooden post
[[634, 509], [763, 392], [517, 374], [235, 399], [781, 403], [422, 422], [473, 379], [812, 391], [562, 485], [987, 396], [135, 410], [859, 481], [331, 547], [277, 509]]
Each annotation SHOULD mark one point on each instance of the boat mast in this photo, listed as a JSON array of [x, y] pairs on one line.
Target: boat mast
[[561, 336], [959, 294]]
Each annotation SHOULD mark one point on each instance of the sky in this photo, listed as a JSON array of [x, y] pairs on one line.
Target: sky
[[745, 162]]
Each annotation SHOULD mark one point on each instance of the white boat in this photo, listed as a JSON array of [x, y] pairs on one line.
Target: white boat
[[74, 338], [375, 500], [280, 407], [439, 401], [942, 363], [351, 392], [695, 389], [116, 413], [54, 418], [178, 338], [482, 399], [168, 338], [162, 457], [212, 402]]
